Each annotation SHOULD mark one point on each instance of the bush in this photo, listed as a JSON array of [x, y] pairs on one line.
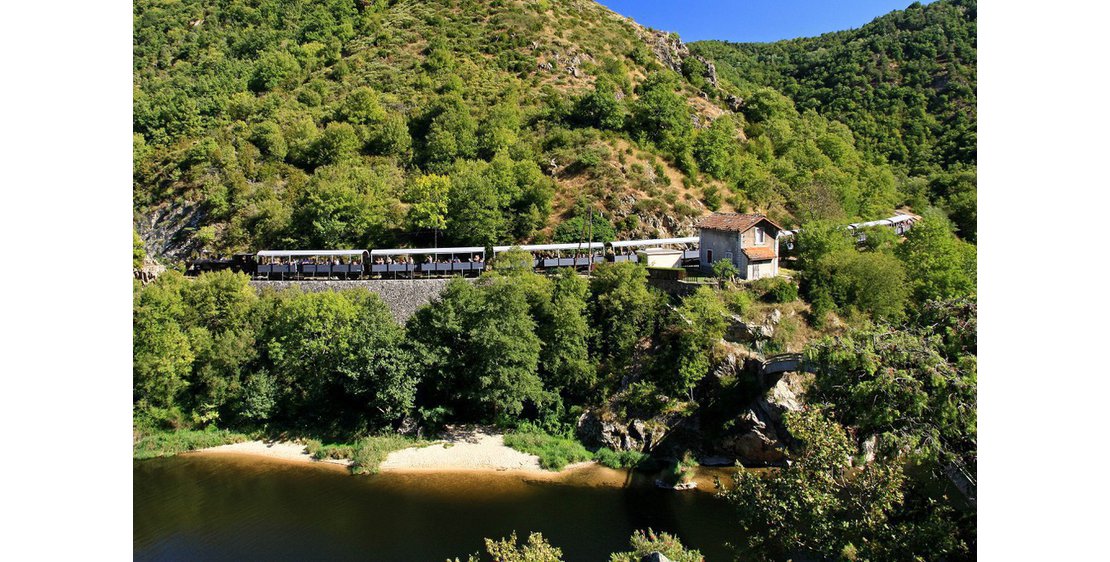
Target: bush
[[169, 443], [776, 290], [371, 451], [619, 459], [555, 453]]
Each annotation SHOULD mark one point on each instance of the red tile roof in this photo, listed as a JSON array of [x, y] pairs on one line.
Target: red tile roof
[[734, 222], [760, 253]]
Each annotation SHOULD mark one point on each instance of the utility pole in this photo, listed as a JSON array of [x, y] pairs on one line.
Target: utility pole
[[590, 246]]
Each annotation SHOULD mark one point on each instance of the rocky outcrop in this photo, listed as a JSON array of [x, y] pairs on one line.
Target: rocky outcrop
[[761, 437], [598, 430], [149, 271]]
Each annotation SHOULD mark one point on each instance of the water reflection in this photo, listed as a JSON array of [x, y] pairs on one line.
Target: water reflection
[[235, 508]]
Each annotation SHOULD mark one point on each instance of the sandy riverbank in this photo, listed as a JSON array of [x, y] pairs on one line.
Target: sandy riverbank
[[466, 451], [459, 449], [277, 450]]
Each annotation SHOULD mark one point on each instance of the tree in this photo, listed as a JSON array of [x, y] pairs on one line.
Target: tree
[[451, 134], [162, 356], [474, 210], [274, 69], [698, 324], [898, 385], [817, 505], [939, 265], [565, 359], [537, 549], [624, 311], [338, 360], [874, 283], [662, 116], [725, 270], [577, 229], [715, 148], [644, 543], [427, 198], [503, 350], [601, 108], [138, 250], [268, 138], [339, 143]]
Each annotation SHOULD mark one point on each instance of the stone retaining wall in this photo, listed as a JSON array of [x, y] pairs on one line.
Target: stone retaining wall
[[403, 296]]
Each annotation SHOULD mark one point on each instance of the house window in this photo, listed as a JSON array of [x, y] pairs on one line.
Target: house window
[[709, 256], [759, 236]]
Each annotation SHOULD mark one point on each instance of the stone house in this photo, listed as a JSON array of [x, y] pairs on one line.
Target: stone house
[[750, 241]]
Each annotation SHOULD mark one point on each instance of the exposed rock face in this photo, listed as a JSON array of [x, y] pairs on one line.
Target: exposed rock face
[[164, 229], [762, 438], [669, 49], [149, 271], [596, 431]]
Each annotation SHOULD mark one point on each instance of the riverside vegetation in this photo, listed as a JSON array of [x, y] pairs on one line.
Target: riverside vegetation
[[360, 124]]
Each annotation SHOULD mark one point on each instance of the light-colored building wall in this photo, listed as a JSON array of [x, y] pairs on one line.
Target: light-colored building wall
[[661, 257], [724, 244], [718, 245]]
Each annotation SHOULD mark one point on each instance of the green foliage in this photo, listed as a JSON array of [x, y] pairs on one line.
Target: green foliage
[[555, 453], [661, 115], [371, 451], [275, 69], [901, 386], [725, 270], [698, 324], [623, 310], [565, 357], [536, 549], [644, 543], [168, 443], [818, 505], [716, 148], [620, 459], [776, 289], [601, 108], [578, 229], [138, 250], [870, 282], [938, 265], [427, 197], [905, 83], [478, 346], [338, 359]]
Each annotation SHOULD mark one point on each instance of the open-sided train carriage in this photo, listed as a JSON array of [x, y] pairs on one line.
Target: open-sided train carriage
[[311, 264], [427, 262], [551, 256]]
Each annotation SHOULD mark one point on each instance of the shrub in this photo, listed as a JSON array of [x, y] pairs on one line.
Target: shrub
[[777, 289], [371, 451], [619, 459], [169, 443], [555, 453]]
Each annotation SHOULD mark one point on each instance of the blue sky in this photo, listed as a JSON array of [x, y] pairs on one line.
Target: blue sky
[[753, 20]]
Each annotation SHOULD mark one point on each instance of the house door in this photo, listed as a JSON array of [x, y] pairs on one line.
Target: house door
[[755, 271]]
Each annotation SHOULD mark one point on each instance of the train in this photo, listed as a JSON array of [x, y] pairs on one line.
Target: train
[[276, 265]]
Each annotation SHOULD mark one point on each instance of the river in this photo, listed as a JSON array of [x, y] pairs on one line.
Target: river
[[196, 507]]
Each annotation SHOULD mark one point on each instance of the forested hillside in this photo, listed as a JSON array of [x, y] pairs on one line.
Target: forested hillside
[[905, 84], [265, 123]]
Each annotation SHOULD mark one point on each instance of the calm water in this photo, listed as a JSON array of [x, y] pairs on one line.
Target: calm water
[[241, 508]]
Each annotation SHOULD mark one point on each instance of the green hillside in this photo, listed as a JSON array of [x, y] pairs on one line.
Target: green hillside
[[904, 84], [265, 123]]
